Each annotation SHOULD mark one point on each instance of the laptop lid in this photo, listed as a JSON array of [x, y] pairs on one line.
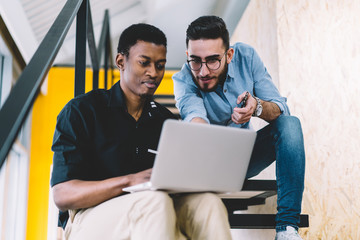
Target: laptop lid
[[196, 157]]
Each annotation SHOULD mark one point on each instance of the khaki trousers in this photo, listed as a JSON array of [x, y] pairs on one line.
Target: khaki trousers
[[152, 215]]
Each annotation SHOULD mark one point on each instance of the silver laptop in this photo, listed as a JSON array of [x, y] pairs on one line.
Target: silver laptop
[[195, 157]]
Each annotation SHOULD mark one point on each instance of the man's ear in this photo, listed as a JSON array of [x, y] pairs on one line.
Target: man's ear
[[120, 59], [230, 54]]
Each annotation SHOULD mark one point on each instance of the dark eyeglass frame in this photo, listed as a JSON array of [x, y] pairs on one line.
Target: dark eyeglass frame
[[206, 63]]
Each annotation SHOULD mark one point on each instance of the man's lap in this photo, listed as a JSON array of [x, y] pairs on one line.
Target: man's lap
[[117, 215], [124, 215]]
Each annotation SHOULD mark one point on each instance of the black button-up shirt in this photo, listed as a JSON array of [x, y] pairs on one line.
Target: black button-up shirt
[[96, 138]]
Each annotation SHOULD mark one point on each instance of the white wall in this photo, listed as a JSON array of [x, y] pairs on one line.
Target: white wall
[[319, 49], [18, 25], [316, 59]]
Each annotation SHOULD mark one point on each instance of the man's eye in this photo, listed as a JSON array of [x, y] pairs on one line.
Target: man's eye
[[144, 63], [160, 66], [212, 61], [196, 61]]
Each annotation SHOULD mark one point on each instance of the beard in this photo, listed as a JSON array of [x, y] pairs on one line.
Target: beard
[[146, 96], [220, 80]]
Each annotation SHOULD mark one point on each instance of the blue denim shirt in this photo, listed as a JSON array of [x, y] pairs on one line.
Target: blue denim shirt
[[246, 72]]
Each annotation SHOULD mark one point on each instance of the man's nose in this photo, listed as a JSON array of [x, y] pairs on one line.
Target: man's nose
[[204, 70], [151, 71]]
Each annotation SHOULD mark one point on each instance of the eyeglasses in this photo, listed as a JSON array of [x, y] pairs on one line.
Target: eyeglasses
[[211, 64]]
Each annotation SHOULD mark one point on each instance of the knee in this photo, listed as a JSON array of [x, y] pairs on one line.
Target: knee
[[289, 141], [158, 199], [210, 202], [288, 128], [211, 198], [209, 209], [203, 216], [287, 122]]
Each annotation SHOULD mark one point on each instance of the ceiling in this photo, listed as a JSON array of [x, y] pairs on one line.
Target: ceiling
[[171, 16]]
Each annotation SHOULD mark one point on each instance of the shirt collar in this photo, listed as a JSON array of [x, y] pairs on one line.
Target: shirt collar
[[231, 70], [116, 96]]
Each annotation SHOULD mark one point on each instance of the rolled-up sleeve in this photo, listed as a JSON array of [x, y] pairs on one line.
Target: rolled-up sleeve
[[188, 98], [69, 146], [264, 88]]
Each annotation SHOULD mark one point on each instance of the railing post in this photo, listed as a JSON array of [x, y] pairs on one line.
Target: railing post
[[110, 55], [106, 59], [95, 78], [95, 61], [80, 51]]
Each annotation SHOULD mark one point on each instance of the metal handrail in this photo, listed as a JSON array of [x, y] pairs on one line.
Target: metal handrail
[[104, 46], [22, 96]]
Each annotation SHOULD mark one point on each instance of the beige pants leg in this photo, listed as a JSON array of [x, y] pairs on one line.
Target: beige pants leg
[[151, 215], [202, 216], [138, 216]]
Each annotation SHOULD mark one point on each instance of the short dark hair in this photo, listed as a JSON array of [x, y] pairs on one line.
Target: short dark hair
[[208, 27], [140, 32]]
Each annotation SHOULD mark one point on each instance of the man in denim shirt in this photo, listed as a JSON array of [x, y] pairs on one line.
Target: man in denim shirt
[[227, 86]]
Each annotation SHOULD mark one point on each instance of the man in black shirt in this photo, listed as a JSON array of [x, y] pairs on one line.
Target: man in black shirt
[[101, 145]]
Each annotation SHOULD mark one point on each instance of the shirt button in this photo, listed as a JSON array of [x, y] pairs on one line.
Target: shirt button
[[225, 90]]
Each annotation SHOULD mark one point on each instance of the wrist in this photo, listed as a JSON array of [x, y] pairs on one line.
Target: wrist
[[258, 108]]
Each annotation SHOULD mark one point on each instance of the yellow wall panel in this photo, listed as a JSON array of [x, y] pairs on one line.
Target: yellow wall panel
[[166, 86], [46, 107]]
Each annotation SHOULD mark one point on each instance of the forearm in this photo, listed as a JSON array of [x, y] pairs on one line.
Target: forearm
[[198, 120], [270, 112], [76, 194]]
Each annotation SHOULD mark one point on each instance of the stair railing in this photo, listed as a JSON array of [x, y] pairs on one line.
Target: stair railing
[[22, 96]]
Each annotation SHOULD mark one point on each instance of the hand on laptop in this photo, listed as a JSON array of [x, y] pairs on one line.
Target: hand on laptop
[[140, 177]]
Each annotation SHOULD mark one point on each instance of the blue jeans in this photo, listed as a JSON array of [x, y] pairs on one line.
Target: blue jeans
[[282, 140]]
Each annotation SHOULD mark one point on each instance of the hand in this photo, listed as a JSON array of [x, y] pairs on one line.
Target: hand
[[243, 115], [75, 194], [140, 177]]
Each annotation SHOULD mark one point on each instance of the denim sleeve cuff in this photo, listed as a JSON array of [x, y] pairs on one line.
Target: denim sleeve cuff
[[283, 108]]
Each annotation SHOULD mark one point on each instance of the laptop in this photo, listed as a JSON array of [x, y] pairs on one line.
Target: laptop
[[196, 157]]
